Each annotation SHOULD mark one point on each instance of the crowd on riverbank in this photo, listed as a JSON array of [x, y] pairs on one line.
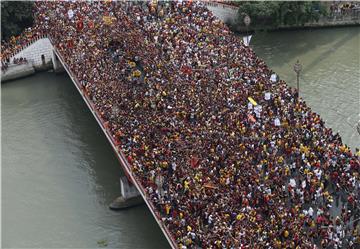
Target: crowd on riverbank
[[229, 156], [343, 8]]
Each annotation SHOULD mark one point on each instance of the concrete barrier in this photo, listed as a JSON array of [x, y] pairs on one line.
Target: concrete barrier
[[17, 71]]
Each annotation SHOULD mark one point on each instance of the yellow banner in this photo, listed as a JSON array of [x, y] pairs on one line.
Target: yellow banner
[[252, 101]]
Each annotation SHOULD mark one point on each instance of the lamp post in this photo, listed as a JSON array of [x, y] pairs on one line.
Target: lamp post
[[297, 69], [247, 21]]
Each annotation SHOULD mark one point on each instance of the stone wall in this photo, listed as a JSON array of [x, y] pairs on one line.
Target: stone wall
[[17, 71], [228, 14], [225, 13], [40, 56], [34, 52]]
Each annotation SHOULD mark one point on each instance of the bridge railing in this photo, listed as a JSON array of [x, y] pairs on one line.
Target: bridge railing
[[118, 152]]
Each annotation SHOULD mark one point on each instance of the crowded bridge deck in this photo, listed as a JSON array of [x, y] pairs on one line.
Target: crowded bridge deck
[[244, 162]]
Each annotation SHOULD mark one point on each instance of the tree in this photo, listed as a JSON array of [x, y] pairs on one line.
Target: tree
[[272, 14], [261, 13], [15, 17]]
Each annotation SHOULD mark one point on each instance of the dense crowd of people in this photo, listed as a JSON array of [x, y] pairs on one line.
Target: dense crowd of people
[[4, 66], [243, 162], [343, 8], [16, 61], [19, 61]]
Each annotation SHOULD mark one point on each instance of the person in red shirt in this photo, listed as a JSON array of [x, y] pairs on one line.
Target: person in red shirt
[[79, 25]]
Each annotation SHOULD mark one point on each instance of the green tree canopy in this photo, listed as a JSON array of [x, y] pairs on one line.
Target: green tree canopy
[[275, 13], [15, 17]]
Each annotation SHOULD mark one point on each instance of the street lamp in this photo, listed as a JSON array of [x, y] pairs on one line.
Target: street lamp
[[247, 21], [297, 69]]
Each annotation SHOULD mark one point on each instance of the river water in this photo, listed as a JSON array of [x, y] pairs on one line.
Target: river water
[[59, 172], [330, 78]]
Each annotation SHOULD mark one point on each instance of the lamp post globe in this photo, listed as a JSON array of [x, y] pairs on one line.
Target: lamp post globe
[[247, 20], [297, 67]]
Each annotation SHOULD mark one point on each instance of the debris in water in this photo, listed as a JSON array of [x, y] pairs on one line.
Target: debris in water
[[102, 243]]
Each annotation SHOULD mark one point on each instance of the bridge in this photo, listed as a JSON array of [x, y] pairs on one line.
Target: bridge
[[242, 206], [42, 54]]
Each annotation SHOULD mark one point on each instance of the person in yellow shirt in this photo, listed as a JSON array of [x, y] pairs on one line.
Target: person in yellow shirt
[[357, 153], [167, 209], [186, 185]]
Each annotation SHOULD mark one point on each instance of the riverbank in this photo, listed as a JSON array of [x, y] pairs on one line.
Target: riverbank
[[325, 24], [229, 15], [14, 71]]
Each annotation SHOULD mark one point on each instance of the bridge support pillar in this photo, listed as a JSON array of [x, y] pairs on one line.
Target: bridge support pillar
[[130, 196], [58, 68], [128, 190]]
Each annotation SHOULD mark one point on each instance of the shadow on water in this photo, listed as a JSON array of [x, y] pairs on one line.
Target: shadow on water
[[293, 44], [96, 150], [327, 53], [324, 55]]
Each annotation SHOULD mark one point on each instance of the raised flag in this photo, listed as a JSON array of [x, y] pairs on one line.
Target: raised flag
[[246, 40]]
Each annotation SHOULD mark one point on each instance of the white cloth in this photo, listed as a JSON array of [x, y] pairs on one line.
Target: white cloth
[[303, 184], [292, 183], [246, 40], [277, 122], [70, 13], [257, 110], [311, 212], [273, 78], [267, 96]]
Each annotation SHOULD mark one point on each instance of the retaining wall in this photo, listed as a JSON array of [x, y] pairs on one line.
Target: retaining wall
[[34, 52], [226, 13], [40, 56], [17, 71]]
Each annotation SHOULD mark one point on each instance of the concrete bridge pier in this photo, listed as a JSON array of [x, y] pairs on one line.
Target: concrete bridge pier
[[130, 196], [58, 67]]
